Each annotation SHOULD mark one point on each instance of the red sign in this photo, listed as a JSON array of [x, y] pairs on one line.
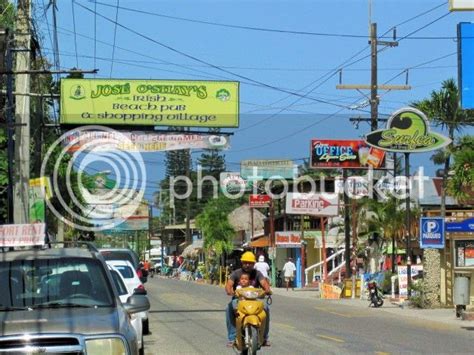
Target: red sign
[[288, 239], [354, 154], [259, 201]]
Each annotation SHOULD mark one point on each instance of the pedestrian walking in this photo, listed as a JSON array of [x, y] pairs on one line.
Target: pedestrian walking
[[289, 270], [262, 266]]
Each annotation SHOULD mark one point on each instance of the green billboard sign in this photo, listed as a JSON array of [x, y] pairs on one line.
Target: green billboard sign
[[407, 131]]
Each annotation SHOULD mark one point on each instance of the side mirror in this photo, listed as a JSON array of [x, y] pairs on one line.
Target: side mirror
[[140, 291], [137, 303]]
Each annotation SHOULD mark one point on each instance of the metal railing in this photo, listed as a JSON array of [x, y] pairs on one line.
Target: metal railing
[[333, 259]]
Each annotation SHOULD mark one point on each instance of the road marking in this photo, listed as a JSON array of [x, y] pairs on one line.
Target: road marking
[[332, 312], [283, 325], [337, 340], [382, 353]]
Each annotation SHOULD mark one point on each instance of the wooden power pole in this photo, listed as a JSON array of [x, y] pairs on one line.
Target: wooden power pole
[[22, 114]]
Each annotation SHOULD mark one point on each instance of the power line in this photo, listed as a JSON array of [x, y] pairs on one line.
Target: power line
[[208, 63], [115, 35], [271, 30], [95, 35], [74, 26]]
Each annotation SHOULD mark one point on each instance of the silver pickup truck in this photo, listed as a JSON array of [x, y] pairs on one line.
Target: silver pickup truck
[[63, 300]]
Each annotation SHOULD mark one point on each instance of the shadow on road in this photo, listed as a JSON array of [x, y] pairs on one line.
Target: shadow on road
[[186, 310]]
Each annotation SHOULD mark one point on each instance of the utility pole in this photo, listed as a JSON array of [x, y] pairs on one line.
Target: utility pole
[[374, 86], [22, 114]]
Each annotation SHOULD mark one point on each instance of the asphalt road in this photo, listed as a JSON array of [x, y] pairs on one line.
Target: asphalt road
[[189, 318]]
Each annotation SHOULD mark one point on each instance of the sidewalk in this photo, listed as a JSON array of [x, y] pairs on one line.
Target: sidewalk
[[446, 316]]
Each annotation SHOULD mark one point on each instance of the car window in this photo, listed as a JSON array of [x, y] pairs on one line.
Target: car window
[[125, 270], [54, 282], [120, 255], [119, 285]]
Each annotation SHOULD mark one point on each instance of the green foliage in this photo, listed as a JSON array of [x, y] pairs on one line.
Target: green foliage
[[213, 221], [460, 185], [418, 294]]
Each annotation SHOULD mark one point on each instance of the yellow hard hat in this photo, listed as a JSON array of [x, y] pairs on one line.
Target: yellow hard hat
[[248, 257]]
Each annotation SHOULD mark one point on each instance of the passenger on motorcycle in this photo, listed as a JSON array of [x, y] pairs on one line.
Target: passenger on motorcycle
[[256, 280]]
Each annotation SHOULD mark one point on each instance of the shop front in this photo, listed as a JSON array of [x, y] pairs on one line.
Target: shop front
[[458, 258]]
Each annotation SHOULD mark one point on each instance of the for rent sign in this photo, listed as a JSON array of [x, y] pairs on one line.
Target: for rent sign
[[16, 235], [312, 204]]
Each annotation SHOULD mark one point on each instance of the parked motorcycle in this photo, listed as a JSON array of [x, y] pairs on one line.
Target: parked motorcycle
[[375, 294], [250, 320]]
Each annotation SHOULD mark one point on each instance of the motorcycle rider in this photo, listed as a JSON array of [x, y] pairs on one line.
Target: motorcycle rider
[[248, 261]]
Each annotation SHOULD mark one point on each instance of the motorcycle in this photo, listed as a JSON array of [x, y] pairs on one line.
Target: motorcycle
[[375, 294], [250, 320]]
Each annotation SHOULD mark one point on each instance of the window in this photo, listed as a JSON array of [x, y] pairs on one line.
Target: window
[[119, 285], [125, 270], [54, 282], [464, 250]]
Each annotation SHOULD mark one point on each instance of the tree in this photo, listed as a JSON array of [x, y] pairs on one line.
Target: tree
[[218, 234], [443, 109], [460, 184]]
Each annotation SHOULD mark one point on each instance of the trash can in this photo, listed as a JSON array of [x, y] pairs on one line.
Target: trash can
[[461, 292]]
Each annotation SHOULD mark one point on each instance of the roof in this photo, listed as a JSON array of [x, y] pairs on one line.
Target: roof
[[192, 225], [262, 242], [54, 253], [240, 219]]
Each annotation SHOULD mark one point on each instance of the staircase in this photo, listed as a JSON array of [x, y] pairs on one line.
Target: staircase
[[314, 271]]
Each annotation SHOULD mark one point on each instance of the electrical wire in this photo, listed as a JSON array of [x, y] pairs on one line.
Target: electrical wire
[[268, 86], [272, 30], [95, 37], [74, 26], [115, 35]]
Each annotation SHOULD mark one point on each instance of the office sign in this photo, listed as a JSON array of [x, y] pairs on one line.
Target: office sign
[[19, 235], [149, 102], [268, 169], [461, 5], [432, 232], [259, 201], [312, 204], [141, 141], [288, 239], [337, 153], [407, 131]]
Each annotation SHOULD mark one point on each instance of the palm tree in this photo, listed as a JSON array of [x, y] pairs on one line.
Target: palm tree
[[443, 109]]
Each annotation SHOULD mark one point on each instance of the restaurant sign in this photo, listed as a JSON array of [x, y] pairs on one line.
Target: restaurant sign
[[259, 201], [288, 239], [407, 131], [353, 154], [149, 102]]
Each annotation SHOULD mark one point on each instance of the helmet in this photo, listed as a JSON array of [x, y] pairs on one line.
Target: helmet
[[248, 257], [261, 258]]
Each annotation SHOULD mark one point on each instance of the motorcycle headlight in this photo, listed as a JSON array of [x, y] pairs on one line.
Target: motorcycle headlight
[[251, 295], [113, 346]]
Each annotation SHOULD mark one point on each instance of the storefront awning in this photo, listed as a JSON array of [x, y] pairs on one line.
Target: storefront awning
[[262, 242]]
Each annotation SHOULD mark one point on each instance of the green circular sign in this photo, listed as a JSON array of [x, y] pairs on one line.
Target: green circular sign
[[407, 131]]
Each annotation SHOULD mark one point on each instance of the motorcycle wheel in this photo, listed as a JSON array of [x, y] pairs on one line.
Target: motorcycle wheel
[[253, 340], [379, 302]]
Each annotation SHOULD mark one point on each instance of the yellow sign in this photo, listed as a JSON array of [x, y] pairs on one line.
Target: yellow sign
[[330, 292], [150, 102], [43, 183]]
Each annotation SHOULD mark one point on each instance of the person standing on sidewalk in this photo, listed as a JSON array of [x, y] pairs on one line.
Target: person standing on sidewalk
[[262, 266], [289, 270]]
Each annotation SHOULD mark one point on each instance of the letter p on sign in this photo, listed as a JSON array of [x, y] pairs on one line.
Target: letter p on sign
[[431, 226]]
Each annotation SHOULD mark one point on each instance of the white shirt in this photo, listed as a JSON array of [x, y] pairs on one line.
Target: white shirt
[[263, 267], [289, 268]]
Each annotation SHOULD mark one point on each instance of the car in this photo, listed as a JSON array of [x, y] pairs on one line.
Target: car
[[121, 254], [124, 294], [133, 284], [63, 300]]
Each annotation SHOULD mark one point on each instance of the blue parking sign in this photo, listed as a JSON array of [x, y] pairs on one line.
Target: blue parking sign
[[432, 232]]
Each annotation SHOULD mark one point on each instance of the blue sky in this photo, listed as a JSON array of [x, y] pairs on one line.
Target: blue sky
[[303, 63]]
